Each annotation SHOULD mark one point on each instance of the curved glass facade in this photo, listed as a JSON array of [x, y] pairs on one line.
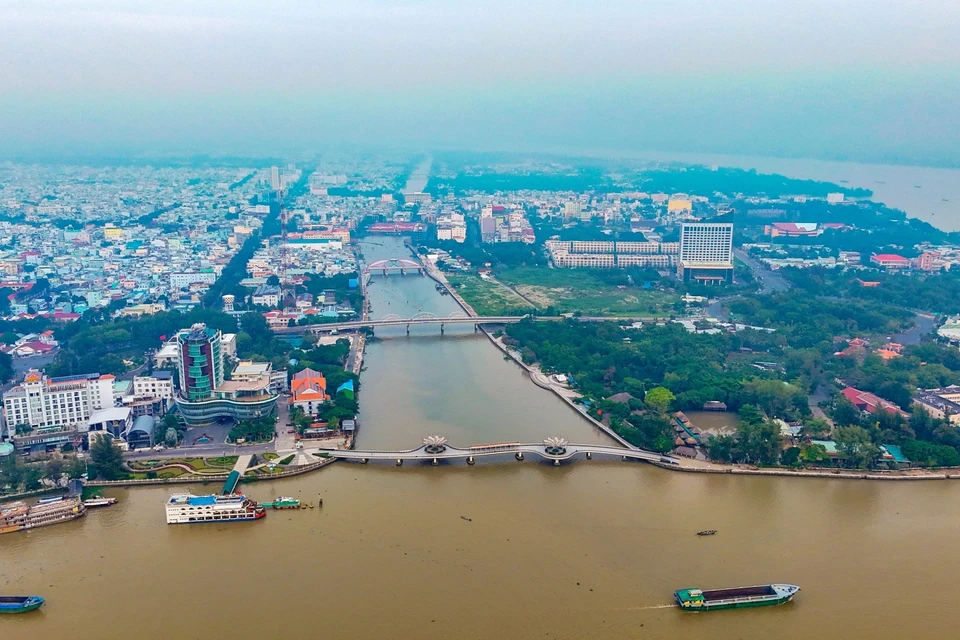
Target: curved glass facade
[[200, 412]]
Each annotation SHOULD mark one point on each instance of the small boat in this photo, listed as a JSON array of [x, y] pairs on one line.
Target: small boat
[[466, 518], [735, 598], [19, 604], [283, 502], [706, 532], [99, 502]]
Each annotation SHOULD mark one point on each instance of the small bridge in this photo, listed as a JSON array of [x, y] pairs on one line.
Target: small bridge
[[393, 320], [393, 265], [435, 449]]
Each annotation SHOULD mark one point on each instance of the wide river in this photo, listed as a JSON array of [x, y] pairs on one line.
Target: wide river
[[590, 549]]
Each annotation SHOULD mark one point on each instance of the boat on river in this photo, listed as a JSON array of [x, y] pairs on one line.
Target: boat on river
[[18, 516], [735, 598], [19, 604], [99, 502], [283, 502], [186, 508]]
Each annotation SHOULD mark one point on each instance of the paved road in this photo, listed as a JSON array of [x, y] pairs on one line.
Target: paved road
[[770, 281], [924, 324]]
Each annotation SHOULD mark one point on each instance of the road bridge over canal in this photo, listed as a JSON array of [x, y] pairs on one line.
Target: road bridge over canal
[[435, 449], [392, 320]]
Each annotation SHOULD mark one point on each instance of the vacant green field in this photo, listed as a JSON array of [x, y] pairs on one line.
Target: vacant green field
[[572, 290], [488, 298]]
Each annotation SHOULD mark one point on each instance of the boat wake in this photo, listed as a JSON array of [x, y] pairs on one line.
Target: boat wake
[[656, 606]]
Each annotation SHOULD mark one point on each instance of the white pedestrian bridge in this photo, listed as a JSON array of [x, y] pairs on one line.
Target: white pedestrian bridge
[[436, 448]]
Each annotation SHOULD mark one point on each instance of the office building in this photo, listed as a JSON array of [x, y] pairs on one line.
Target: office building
[[706, 252], [204, 395]]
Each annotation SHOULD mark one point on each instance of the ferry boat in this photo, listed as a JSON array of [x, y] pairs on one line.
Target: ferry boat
[[19, 604], [186, 508], [283, 502], [18, 516], [735, 598]]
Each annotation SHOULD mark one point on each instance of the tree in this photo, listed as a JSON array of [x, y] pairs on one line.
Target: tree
[[55, 468], [273, 280], [659, 399], [813, 453], [107, 459], [75, 468], [170, 422], [170, 438], [844, 413], [856, 446]]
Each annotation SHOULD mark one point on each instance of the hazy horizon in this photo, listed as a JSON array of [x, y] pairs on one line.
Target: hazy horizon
[[861, 81]]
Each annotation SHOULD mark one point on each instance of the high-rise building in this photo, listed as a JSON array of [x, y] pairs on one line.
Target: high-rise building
[[199, 361], [706, 252], [275, 178], [204, 395]]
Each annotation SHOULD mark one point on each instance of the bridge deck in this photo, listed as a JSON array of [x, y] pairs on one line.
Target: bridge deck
[[448, 453]]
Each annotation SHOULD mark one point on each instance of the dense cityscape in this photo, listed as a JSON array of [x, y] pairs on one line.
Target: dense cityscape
[[479, 320]]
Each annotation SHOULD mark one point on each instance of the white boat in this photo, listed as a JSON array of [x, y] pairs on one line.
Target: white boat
[[186, 508], [99, 502]]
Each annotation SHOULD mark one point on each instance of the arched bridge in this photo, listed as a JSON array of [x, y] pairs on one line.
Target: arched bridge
[[435, 449], [393, 320], [393, 265]]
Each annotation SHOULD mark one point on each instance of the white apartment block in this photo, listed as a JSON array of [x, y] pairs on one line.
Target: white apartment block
[[47, 402]]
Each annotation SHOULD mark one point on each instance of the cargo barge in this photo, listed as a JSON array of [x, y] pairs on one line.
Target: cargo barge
[[735, 598], [18, 516]]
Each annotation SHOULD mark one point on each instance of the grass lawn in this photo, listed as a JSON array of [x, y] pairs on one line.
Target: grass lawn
[[270, 456], [222, 461], [572, 290], [488, 298]]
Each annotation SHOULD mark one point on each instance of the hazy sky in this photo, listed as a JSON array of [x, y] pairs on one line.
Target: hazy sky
[[846, 79]]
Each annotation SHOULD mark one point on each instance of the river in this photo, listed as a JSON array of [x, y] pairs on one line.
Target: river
[[588, 550], [929, 193]]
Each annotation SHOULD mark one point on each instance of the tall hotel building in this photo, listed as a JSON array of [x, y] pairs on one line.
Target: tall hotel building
[[706, 252]]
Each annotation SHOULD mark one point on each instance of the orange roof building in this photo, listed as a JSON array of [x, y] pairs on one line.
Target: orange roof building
[[309, 390]]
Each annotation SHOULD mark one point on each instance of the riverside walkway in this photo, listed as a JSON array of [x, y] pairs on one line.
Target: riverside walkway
[[435, 449]]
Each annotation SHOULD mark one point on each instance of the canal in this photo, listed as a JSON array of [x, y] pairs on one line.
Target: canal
[[587, 550]]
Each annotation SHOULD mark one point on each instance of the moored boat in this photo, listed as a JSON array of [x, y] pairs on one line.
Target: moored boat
[[283, 502], [99, 502], [18, 516], [735, 598], [186, 508], [19, 604]]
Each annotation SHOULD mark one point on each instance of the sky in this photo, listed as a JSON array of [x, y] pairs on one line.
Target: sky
[[862, 80]]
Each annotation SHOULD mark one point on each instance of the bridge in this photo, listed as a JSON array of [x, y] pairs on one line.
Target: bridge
[[436, 448], [393, 320], [393, 265]]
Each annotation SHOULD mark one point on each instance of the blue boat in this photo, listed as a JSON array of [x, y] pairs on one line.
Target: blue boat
[[19, 604]]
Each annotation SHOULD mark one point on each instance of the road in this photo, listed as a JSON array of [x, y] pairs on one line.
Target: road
[[924, 324], [770, 282]]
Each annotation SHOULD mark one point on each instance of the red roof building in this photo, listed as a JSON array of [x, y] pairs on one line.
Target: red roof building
[[890, 261], [866, 401], [309, 390]]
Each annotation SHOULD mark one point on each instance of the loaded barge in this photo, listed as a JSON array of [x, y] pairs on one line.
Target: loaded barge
[[735, 598], [18, 516]]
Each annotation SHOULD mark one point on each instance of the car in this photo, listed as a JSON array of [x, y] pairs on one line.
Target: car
[[291, 431]]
